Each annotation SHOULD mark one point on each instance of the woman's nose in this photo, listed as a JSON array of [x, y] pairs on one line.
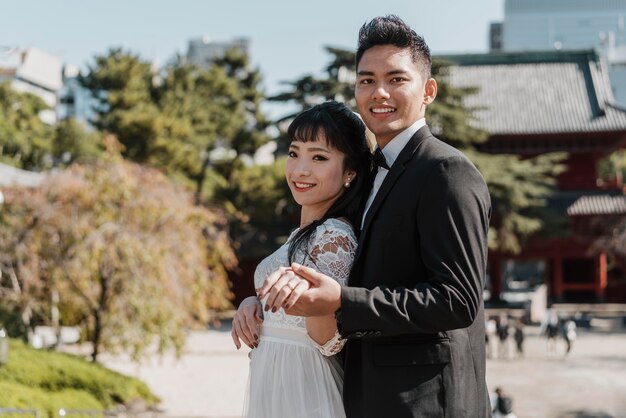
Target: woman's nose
[[302, 169]]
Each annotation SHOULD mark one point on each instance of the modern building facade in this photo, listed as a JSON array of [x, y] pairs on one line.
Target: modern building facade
[[203, 51], [539, 25], [33, 71]]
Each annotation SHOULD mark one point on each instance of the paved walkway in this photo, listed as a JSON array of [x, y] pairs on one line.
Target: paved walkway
[[210, 379]]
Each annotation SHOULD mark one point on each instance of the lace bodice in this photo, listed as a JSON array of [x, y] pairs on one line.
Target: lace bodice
[[330, 251]]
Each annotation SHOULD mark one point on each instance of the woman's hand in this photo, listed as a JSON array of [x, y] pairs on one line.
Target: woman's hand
[[246, 322], [283, 288]]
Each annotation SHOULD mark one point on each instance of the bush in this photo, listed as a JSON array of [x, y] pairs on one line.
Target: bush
[[50, 380], [15, 395], [12, 323]]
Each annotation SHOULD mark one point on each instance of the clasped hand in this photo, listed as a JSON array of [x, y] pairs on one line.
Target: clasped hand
[[299, 290]]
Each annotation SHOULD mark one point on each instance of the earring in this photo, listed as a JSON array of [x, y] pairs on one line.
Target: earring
[[347, 184]]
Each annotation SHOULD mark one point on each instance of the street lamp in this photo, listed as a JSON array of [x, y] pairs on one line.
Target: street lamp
[[4, 347]]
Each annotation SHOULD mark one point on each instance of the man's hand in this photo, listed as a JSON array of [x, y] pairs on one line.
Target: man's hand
[[246, 323], [323, 297]]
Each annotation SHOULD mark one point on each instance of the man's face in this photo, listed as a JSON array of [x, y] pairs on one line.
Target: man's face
[[389, 91]]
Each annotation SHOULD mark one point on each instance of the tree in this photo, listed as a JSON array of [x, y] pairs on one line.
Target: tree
[[132, 257], [518, 187], [72, 142], [25, 140], [123, 87], [192, 121]]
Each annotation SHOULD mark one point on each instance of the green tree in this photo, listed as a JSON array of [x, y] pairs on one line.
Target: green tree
[[123, 86], [72, 142], [25, 141], [202, 112], [518, 187], [134, 260]]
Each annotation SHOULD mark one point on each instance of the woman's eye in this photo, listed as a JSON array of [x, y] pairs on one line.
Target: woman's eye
[[320, 158], [292, 154]]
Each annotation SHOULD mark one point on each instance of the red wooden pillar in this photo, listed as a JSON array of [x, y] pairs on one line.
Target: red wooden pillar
[[601, 277], [558, 278]]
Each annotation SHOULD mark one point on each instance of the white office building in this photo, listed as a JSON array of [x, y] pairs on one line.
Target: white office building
[[33, 71], [203, 51]]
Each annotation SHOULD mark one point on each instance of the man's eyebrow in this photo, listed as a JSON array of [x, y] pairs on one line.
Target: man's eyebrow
[[371, 73]]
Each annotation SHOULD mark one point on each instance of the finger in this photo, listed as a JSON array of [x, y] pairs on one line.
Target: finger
[[258, 313], [252, 327], [248, 332], [235, 338], [269, 282], [307, 273], [278, 286], [242, 336], [286, 291], [298, 291]]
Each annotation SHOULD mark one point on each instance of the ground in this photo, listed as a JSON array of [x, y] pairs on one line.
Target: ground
[[590, 382]]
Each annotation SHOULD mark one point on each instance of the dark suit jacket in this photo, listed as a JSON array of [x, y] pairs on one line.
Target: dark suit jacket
[[413, 308]]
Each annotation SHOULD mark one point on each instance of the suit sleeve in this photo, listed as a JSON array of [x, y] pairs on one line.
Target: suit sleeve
[[452, 221]]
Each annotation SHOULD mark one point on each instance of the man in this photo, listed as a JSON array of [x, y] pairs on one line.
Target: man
[[413, 310]]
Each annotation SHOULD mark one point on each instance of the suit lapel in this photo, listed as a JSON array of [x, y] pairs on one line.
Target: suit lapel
[[397, 169]]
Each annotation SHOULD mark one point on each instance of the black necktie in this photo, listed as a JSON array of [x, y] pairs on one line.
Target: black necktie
[[379, 159]]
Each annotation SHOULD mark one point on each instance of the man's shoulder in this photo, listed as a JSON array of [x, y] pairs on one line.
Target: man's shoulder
[[435, 150]]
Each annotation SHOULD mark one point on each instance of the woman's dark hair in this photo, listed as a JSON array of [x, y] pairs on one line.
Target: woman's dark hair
[[344, 131], [391, 30]]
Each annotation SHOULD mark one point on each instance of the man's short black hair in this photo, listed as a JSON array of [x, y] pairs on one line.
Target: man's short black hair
[[391, 30]]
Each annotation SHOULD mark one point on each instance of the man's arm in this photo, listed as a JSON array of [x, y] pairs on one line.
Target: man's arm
[[453, 220]]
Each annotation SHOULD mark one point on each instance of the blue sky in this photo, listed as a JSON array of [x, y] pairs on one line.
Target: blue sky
[[287, 35]]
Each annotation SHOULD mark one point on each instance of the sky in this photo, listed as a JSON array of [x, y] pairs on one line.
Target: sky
[[287, 36]]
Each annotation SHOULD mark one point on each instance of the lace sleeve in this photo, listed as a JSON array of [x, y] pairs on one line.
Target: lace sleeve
[[332, 252]]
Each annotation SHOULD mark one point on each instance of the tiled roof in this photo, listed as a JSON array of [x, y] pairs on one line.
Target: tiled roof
[[598, 205], [538, 93]]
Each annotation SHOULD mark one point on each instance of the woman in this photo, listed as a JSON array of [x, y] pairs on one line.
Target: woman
[[293, 372]]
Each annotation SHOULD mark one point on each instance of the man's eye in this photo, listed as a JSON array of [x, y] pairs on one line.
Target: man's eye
[[366, 81], [398, 79]]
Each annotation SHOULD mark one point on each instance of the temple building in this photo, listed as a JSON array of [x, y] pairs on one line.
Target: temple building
[[533, 103]]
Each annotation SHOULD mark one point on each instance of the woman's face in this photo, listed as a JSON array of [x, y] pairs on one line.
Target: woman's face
[[316, 176]]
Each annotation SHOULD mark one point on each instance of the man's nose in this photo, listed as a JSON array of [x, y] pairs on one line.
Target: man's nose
[[380, 92]]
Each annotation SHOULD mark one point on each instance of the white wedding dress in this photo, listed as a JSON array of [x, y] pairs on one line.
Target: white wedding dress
[[290, 375]]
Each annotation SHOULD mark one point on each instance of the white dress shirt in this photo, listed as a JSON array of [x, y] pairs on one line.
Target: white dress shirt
[[391, 152]]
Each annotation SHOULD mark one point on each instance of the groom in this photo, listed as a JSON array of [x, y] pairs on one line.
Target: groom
[[413, 309]]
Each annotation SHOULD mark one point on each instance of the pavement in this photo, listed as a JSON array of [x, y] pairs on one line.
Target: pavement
[[209, 380]]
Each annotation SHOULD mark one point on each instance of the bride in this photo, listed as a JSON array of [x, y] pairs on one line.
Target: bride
[[293, 368]]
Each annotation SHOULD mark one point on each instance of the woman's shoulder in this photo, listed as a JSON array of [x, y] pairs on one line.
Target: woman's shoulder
[[336, 227]]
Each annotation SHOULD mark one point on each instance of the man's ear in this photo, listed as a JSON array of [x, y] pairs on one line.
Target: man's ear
[[430, 91]]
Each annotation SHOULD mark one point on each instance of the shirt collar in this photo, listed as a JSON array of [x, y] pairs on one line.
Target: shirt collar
[[395, 146]]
